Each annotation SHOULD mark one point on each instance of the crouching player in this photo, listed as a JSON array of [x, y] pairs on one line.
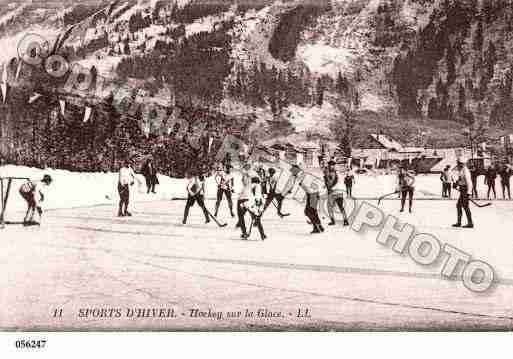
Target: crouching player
[[34, 194]]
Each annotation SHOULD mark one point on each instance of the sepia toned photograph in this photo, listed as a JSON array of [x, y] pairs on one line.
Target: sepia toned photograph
[[256, 166]]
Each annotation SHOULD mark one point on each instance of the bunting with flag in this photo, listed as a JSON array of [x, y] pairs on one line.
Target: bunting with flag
[[18, 69], [62, 105], [87, 114], [4, 83]]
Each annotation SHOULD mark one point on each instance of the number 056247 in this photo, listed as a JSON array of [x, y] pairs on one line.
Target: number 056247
[[30, 344]]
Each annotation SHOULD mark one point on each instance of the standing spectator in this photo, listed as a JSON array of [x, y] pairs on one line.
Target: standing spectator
[[474, 173], [349, 181], [505, 175], [445, 177], [150, 174], [490, 177]]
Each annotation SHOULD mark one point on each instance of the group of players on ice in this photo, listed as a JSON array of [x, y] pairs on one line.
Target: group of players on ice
[[259, 189]]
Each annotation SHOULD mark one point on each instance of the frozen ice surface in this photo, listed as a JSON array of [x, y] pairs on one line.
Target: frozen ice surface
[[86, 257]]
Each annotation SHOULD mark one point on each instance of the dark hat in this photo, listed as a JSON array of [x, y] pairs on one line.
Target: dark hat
[[272, 170], [47, 179]]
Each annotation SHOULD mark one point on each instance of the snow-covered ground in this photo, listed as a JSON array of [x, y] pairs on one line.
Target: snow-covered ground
[[86, 258]]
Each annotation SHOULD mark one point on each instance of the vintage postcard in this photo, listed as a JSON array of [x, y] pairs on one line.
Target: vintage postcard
[[256, 165]]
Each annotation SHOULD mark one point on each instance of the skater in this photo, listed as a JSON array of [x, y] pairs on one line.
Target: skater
[[349, 181], [445, 178], [195, 193], [273, 192], [312, 199], [474, 173], [505, 175], [34, 194], [490, 177], [225, 183], [262, 174], [464, 185], [255, 206], [150, 175], [243, 199], [125, 180], [406, 186], [335, 193]]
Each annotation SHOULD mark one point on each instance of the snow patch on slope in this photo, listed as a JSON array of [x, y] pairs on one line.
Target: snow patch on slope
[[313, 119], [325, 59]]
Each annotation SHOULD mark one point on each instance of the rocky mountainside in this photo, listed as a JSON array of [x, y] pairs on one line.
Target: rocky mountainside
[[430, 67]]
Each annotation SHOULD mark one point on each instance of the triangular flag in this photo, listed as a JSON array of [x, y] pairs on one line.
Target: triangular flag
[[210, 141], [87, 114], [62, 104], [34, 97], [4, 91], [4, 74], [4, 83], [18, 70]]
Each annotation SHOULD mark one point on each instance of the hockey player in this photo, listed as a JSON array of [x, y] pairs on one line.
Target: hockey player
[[243, 199], [34, 193], [312, 198], [195, 193], [273, 192], [464, 185], [263, 179], [255, 206], [335, 193], [126, 179], [225, 184], [406, 186]]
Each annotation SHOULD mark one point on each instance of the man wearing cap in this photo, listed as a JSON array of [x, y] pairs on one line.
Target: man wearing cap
[[273, 192], [225, 181], [244, 195], [505, 175], [445, 178], [34, 193], [406, 185], [255, 205], [311, 188], [464, 185], [195, 193], [126, 178], [335, 193]]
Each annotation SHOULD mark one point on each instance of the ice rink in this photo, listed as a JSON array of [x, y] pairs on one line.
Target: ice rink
[[87, 258]]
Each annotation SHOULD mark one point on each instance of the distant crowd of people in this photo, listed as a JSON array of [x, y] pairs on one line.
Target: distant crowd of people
[[490, 174]]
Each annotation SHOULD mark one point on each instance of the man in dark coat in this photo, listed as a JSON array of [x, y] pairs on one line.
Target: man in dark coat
[[150, 174]]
